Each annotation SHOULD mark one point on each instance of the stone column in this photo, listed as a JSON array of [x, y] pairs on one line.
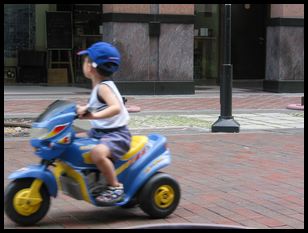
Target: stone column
[[156, 44], [285, 49]]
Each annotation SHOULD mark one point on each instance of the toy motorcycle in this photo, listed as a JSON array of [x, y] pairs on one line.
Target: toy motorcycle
[[27, 197]]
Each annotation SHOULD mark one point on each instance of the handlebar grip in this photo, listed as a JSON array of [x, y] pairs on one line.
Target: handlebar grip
[[89, 110]]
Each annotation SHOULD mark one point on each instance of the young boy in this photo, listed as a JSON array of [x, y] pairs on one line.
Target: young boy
[[110, 118]]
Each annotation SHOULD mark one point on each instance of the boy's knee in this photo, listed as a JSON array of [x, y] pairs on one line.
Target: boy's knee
[[99, 152], [82, 135]]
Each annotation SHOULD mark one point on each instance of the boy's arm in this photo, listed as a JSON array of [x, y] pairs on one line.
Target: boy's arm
[[112, 102]]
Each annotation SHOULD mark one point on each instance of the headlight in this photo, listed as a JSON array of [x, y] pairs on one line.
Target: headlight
[[38, 132]]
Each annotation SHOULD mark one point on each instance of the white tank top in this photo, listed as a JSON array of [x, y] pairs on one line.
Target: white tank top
[[116, 121]]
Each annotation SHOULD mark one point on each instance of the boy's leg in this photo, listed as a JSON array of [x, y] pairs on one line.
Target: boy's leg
[[101, 156]]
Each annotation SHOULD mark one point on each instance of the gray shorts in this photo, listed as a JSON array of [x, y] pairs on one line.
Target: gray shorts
[[117, 140]]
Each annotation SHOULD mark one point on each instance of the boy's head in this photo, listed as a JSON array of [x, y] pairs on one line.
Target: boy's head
[[104, 57]]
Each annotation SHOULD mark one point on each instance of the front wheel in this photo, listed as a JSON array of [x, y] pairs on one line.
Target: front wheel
[[160, 196], [24, 206]]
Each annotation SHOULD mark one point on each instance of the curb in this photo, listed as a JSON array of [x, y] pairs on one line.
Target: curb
[[17, 124], [187, 226]]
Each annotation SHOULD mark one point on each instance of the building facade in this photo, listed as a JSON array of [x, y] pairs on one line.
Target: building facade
[[165, 48]]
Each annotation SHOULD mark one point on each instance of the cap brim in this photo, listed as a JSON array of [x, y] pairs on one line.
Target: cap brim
[[83, 52]]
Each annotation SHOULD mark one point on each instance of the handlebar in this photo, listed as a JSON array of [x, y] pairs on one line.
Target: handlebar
[[89, 110]]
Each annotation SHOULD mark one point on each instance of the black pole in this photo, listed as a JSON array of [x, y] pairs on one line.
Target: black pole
[[226, 122]]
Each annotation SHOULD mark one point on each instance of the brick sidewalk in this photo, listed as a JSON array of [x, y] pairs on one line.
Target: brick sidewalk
[[253, 179], [24, 105], [247, 179]]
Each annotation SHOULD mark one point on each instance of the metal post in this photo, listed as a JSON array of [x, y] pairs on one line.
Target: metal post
[[226, 122], [302, 100]]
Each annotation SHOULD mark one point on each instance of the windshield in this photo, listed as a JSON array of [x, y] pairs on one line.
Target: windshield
[[54, 109]]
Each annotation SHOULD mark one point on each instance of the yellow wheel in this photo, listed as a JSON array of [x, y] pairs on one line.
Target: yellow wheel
[[24, 205], [160, 196], [26, 201], [164, 196]]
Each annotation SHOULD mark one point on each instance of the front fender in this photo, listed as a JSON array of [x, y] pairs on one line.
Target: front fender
[[39, 172]]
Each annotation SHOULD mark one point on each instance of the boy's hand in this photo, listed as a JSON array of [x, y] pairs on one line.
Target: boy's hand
[[81, 111]]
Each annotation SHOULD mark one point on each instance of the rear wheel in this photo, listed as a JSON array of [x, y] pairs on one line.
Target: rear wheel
[[20, 207], [160, 196]]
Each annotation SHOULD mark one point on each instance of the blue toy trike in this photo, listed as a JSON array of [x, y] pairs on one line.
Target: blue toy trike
[[27, 197]]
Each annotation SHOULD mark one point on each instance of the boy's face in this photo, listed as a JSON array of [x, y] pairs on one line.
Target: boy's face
[[87, 68]]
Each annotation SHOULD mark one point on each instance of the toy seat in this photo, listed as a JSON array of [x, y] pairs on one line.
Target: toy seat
[[137, 143]]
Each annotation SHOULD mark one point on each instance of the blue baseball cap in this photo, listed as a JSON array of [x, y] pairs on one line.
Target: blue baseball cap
[[102, 53]]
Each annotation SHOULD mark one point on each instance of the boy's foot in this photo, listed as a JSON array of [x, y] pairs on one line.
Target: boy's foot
[[110, 195]]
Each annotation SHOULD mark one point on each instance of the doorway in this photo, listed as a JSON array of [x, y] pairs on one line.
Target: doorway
[[206, 44], [248, 41], [87, 29]]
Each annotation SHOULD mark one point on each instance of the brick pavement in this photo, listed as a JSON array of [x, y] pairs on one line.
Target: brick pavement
[[248, 179], [25, 104], [253, 179]]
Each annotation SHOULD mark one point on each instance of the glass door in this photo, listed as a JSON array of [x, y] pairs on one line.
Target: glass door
[[206, 44], [87, 30]]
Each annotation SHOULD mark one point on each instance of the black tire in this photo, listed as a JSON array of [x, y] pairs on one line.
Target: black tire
[[160, 196], [12, 189]]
